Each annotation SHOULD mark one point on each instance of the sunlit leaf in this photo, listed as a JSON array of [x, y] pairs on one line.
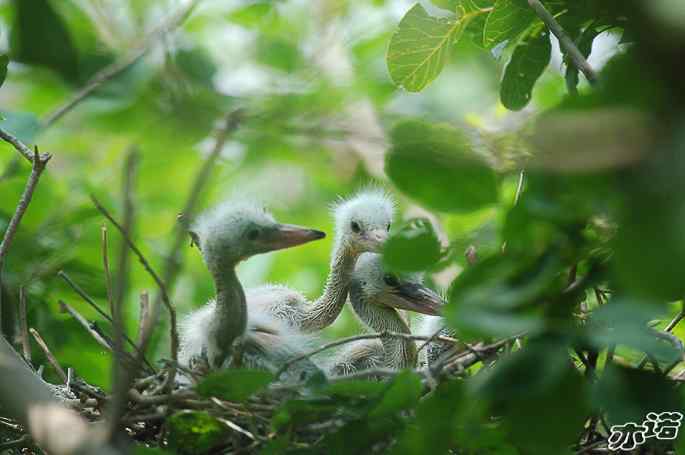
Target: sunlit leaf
[[415, 247], [234, 384], [426, 159], [420, 47], [251, 15], [506, 21], [529, 60]]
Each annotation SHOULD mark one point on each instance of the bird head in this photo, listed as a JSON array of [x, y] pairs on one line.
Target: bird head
[[363, 221], [382, 288], [235, 231]]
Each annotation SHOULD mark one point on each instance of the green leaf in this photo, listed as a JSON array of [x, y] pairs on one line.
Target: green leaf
[[435, 165], [40, 37], [419, 49], [402, 393], [507, 20], [23, 125], [502, 295], [234, 385], [527, 64], [415, 247], [195, 431], [4, 61], [303, 411], [251, 15]]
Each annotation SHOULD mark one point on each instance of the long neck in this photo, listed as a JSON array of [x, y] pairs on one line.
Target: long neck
[[397, 352], [231, 313], [327, 307]]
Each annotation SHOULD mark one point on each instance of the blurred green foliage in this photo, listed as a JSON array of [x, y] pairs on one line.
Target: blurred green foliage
[[574, 204]]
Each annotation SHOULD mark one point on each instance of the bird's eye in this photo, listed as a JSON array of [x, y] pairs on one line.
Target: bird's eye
[[355, 227], [391, 280], [252, 234]]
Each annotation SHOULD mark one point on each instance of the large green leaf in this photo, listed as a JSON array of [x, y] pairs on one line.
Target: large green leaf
[[40, 37], [506, 21], [419, 49], [415, 247], [435, 165], [403, 392], [234, 385], [529, 60]]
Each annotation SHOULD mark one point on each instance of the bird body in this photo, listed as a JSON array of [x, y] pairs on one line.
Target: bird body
[[377, 299], [224, 333], [361, 224]]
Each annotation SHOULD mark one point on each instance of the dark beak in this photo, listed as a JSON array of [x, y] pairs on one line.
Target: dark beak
[[415, 297], [288, 235]]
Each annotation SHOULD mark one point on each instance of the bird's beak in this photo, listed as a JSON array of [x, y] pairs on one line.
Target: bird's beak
[[414, 297], [289, 235], [376, 238]]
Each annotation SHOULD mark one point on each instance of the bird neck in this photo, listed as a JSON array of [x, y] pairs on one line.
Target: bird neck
[[397, 352], [231, 313], [327, 307]]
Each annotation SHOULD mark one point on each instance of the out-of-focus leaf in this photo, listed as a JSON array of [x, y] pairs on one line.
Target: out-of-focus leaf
[[234, 384], [251, 15], [355, 389], [529, 60], [591, 140], [502, 295], [40, 37], [415, 247], [302, 411], [541, 395], [142, 450], [23, 125], [403, 392], [420, 47], [197, 63], [194, 432], [4, 61], [623, 321], [508, 19], [435, 165], [627, 394], [278, 53]]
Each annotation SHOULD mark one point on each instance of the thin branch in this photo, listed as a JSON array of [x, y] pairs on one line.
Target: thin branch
[[90, 301], [144, 318], [173, 331], [85, 324], [23, 441], [113, 70], [18, 145], [108, 273], [565, 41], [430, 339], [51, 358], [366, 336], [23, 326]]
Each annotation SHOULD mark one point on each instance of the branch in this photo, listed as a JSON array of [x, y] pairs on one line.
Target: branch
[[173, 331], [565, 41], [89, 300], [85, 324], [113, 70], [20, 146], [51, 358], [665, 334], [367, 336], [23, 326]]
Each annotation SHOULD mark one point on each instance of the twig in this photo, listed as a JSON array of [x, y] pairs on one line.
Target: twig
[[89, 300], [519, 186], [172, 265], [17, 443], [85, 324], [23, 326], [430, 339], [565, 41], [144, 320], [173, 333], [111, 71], [39, 162], [18, 145], [367, 336], [51, 358], [236, 427], [108, 274]]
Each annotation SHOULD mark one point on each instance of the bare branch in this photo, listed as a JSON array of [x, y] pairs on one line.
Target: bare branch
[[144, 318], [111, 71], [173, 330], [20, 146], [51, 358], [85, 324], [352, 339], [23, 326], [565, 41]]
